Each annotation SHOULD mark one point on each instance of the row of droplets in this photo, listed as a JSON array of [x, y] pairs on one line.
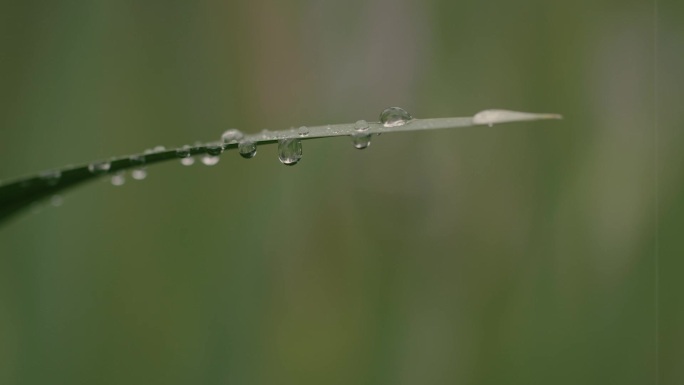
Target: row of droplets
[[289, 149]]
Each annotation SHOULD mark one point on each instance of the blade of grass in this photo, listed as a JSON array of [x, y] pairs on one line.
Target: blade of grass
[[22, 192]]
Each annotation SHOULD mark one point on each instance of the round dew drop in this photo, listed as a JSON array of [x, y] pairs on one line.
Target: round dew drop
[[394, 117], [183, 152], [361, 125], [118, 179], [289, 151], [361, 141], [214, 149], [188, 161], [232, 136], [210, 160], [99, 167], [247, 149], [139, 173]]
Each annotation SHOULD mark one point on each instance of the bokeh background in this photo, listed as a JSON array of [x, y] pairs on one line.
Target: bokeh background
[[516, 254]]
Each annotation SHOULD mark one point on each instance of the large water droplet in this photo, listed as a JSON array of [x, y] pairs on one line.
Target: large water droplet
[[118, 179], [99, 167], [232, 136], [214, 149], [51, 177], [139, 173], [210, 160], [394, 117], [361, 125], [361, 141], [289, 151], [189, 161], [247, 149]]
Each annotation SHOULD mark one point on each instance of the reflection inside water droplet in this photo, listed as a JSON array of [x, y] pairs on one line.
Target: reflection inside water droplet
[[289, 151], [394, 117], [247, 149], [183, 152], [303, 131]]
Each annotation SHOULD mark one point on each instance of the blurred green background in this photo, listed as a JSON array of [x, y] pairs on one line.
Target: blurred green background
[[517, 254]]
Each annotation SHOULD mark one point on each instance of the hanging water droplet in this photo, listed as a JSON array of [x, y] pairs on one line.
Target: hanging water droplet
[[232, 136], [361, 125], [183, 152], [394, 117], [56, 200], [118, 179], [303, 131], [210, 160], [99, 167], [214, 149], [51, 177], [139, 173], [247, 149], [361, 141], [189, 161], [289, 151]]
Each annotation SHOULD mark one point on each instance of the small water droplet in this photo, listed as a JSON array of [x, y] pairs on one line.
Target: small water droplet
[[99, 167], [303, 131], [189, 161], [232, 136], [361, 141], [183, 152], [214, 149], [118, 179], [289, 151], [247, 149], [210, 160], [137, 160], [139, 173], [361, 125], [394, 117], [159, 149], [51, 177], [56, 200]]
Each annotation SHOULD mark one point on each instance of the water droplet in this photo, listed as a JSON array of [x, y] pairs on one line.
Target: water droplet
[[303, 131], [139, 173], [361, 141], [51, 177], [183, 152], [137, 160], [361, 125], [56, 200], [99, 167], [159, 149], [247, 149], [210, 160], [189, 161], [394, 117], [232, 136], [214, 149], [118, 179], [289, 151]]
